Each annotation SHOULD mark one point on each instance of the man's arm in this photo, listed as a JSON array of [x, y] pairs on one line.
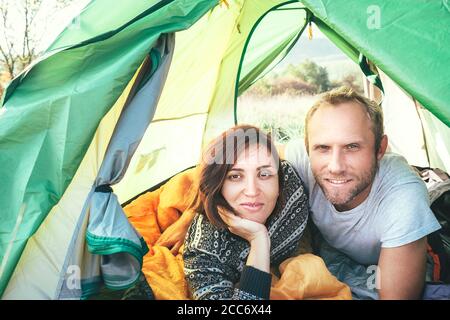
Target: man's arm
[[402, 271]]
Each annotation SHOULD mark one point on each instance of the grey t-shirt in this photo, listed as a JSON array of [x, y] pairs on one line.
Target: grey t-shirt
[[396, 212]]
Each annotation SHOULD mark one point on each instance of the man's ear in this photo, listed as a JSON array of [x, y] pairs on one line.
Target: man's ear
[[383, 147]]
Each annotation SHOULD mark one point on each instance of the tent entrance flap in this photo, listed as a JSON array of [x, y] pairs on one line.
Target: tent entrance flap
[[115, 249], [269, 41]]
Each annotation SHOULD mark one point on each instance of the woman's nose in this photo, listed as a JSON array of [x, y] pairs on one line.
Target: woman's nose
[[251, 187]]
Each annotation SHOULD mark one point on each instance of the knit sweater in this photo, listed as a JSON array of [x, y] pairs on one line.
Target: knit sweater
[[215, 259]]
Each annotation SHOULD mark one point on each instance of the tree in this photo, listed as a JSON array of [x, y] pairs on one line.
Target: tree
[[22, 25], [315, 75], [354, 81], [295, 71], [311, 73]]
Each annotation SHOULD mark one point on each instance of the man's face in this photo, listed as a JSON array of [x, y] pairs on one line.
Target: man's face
[[342, 153]]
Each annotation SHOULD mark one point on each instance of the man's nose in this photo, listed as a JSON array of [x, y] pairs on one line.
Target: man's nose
[[336, 165], [251, 187]]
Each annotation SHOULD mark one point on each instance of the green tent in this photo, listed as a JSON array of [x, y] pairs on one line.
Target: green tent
[[127, 95]]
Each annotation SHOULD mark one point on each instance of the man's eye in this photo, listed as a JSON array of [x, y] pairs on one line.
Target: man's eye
[[352, 146], [322, 148]]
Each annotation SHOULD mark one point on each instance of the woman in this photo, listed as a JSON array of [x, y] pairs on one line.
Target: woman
[[252, 211]]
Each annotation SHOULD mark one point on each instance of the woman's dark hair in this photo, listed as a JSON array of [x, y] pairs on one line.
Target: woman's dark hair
[[217, 161]]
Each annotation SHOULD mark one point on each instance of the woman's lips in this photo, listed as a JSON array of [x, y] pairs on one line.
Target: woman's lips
[[252, 206]]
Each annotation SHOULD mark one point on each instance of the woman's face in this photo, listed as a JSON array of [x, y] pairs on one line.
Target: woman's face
[[251, 186]]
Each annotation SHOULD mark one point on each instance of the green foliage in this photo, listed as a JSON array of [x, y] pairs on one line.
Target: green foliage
[[282, 133], [262, 88], [311, 73], [291, 86], [351, 80], [306, 78]]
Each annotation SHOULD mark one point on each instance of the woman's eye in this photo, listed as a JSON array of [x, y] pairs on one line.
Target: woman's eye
[[234, 176], [265, 174]]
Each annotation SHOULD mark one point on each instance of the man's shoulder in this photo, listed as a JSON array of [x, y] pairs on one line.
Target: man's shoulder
[[398, 182], [295, 152], [394, 158], [395, 169]]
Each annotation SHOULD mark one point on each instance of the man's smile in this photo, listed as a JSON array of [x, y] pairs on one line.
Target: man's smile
[[338, 182]]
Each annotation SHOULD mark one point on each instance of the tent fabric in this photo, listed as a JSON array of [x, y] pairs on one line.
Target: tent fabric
[[409, 47], [417, 135], [81, 29], [57, 117], [110, 238], [65, 96], [269, 41], [437, 136], [46, 250], [219, 116]]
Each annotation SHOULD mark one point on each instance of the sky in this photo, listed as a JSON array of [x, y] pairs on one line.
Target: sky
[[49, 21], [61, 19]]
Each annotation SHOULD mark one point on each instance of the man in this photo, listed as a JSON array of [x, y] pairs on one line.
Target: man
[[370, 205]]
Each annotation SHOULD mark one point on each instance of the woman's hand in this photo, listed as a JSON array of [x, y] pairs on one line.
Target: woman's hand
[[244, 228], [256, 234], [173, 236]]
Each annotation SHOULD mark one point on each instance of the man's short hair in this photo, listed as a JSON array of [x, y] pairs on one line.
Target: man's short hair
[[344, 95]]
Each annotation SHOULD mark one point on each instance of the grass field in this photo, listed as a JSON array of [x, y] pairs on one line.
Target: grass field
[[283, 116]]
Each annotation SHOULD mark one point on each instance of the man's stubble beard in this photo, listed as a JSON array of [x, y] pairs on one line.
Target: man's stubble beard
[[338, 199]]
